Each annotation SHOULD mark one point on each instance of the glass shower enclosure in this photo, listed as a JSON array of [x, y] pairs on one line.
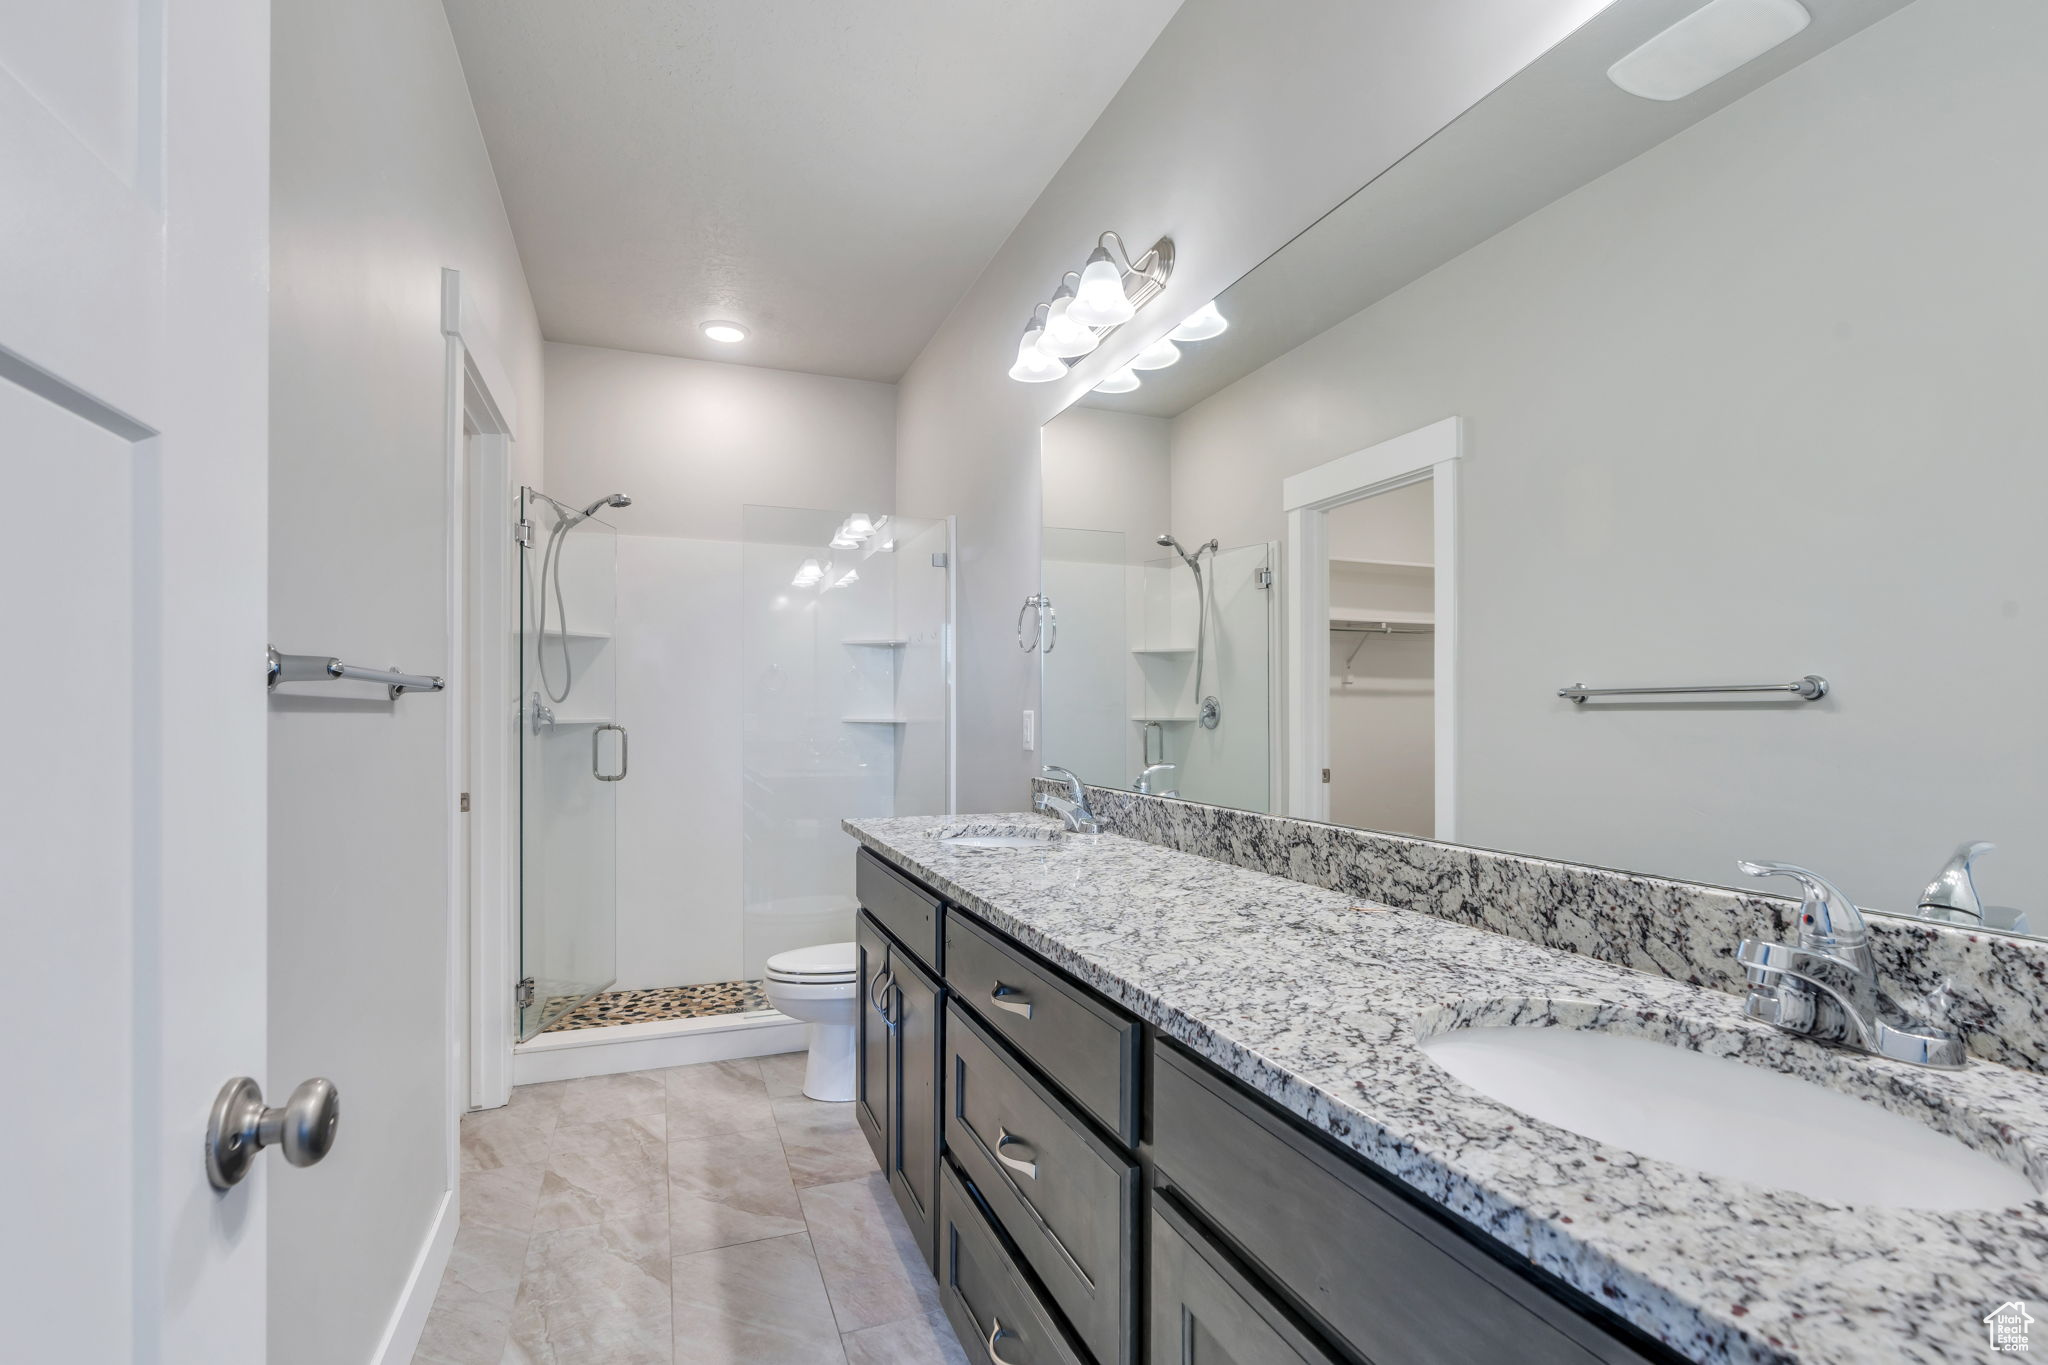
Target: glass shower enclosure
[[847, 685], [572, 755]]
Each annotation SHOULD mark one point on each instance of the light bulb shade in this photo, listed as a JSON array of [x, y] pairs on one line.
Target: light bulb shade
[[1063, 337], [1157, 356], [1123, 381], [1100, 301], [1200, 325], [858, 526], [1032, 365]]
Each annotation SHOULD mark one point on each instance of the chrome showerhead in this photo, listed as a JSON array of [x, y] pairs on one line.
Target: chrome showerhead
[[1193, 561], [613, 500]]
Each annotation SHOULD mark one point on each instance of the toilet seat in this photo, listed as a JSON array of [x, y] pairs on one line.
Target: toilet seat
[[820, 965]]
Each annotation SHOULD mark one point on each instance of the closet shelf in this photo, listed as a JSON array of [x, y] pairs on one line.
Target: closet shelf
[[1349, 616], [1381, 563]]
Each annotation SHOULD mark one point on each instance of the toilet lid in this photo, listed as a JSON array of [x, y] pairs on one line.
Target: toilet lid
[[824, 962]]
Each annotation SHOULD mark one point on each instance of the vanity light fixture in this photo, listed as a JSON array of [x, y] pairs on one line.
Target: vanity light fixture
[[1157, 356], [1033, 365], [727, 332], [1123, 381], [858, 526], [1106, 293], [1706, 45], [851, 576], [1200, 325], [808, 574], [1101, 301], [1064, 338]]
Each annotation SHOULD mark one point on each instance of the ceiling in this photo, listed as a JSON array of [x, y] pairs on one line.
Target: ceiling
[[831, 175]]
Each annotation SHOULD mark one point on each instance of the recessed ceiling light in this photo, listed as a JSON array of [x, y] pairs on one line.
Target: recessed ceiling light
[[727, 332], [1706, 45]]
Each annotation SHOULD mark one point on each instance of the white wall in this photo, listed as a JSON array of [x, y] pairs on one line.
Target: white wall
[[693, 442], [1765, 400], [1234, 133], [379, 179]]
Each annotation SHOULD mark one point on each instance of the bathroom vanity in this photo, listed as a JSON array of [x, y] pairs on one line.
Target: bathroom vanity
[[1183, 1114]]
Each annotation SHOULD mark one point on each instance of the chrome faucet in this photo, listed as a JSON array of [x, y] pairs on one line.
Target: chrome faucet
[[1826, 986], [1158, 779], [1071, 808]]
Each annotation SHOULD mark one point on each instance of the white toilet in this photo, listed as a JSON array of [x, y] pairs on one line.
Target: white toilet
[[817, 986]]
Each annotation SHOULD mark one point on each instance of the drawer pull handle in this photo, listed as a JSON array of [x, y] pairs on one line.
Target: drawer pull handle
[[1022, 1167], [997, 1333], [1010, 998]]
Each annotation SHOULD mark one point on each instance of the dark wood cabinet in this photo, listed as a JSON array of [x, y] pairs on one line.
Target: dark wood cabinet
[[896, 1073], [1003, 1099]]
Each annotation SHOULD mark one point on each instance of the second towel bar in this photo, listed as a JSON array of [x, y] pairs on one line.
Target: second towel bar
[[289, 668], [1812, 687]]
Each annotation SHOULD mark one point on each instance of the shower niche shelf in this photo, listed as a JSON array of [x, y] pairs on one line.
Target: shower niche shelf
[[1162, 720], [577, 635], [876, 642], [874, 720], [1164, 651]]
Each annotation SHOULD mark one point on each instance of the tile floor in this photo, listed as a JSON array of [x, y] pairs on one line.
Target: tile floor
[[702, 1215]]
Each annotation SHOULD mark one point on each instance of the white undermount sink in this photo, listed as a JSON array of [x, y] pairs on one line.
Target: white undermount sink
[[1726, 1118]]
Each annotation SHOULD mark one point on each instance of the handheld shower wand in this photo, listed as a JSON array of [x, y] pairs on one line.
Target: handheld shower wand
[[1208, 710], [566, 520]]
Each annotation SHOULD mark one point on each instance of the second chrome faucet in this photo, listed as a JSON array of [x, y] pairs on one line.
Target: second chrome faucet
[[1826, 987]]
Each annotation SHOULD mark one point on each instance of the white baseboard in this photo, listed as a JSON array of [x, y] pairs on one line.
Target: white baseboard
[[646, 1047], [409, 1318]]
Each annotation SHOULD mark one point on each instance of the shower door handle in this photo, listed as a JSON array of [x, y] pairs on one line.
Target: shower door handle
[[596, 748]]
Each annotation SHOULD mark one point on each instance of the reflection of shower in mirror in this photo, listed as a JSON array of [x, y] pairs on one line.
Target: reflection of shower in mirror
[[1208, 709]]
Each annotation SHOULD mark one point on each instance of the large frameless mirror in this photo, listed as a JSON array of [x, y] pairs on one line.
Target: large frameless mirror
[[1649, 483]]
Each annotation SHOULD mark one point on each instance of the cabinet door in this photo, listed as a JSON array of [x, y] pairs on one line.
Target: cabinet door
[[1206, 1312], [913, 1164], [872, 1038]]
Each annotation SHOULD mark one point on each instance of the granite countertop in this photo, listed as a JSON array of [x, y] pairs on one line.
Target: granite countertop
[[1317, 1000]]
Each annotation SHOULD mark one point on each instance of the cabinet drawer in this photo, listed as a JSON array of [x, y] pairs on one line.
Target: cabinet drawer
[[991, 1305], [899, 905], [1395, 1281], [1205, 1310], [1068, 1200], [1089, 1048]]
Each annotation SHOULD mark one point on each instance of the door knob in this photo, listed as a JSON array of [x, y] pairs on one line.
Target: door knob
[[241, 1126]]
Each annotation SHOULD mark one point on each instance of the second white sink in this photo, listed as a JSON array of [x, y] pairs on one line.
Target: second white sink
[[1726, 1118]]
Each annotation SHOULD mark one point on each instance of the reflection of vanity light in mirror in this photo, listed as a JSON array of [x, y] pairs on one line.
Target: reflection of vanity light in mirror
[[808, 574], [1033, 365], [1706, 45], [1123, 381], [1200, 325], [1157, 356]]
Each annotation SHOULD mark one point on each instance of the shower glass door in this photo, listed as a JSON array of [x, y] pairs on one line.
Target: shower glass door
[[572, 754], [846, 662]]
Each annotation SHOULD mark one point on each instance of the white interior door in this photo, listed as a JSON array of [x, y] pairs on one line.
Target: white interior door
[[133, 226]]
